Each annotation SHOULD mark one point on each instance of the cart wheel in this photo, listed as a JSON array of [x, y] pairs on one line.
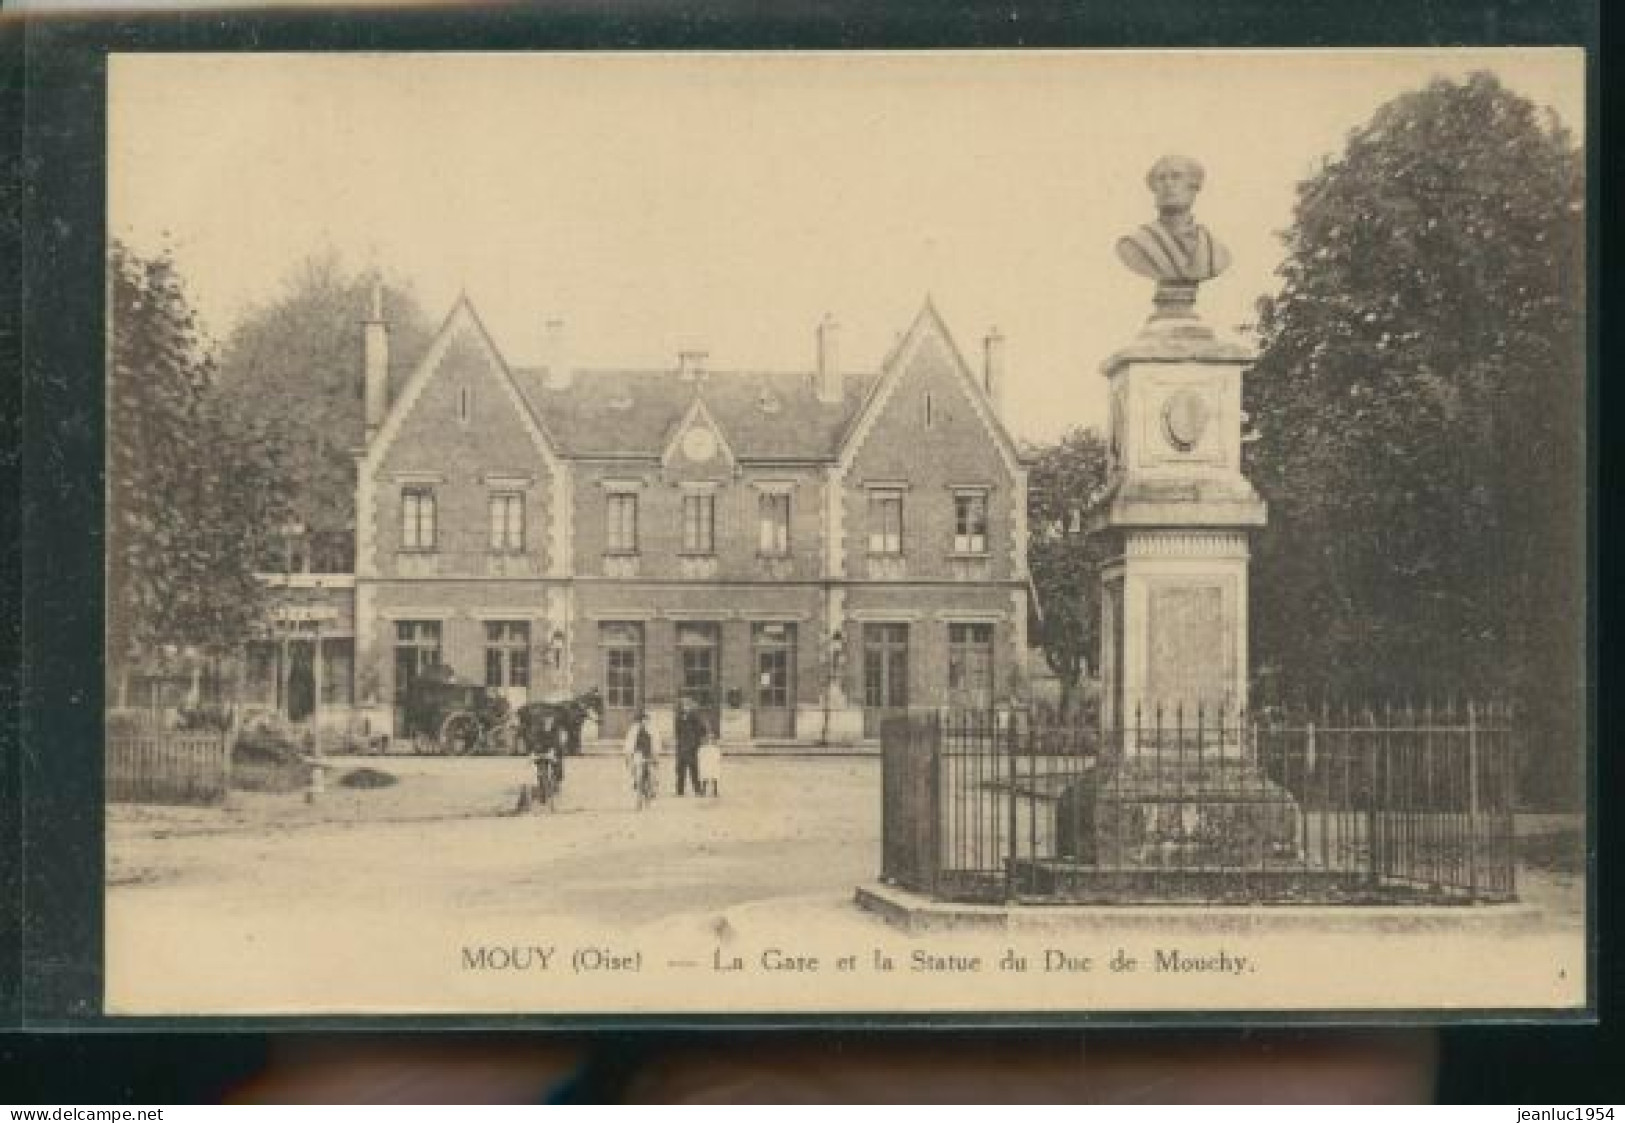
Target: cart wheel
[[460, 733]]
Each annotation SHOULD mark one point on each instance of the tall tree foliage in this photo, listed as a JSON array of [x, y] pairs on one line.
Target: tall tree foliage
[[1065, 482], [1419, 403], [191, 495], [292, 370]]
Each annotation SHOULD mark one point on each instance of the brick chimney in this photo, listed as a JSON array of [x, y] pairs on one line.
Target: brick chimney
[[691, 366], [375, 364], [993, 370], [830, 390], [556, 354]]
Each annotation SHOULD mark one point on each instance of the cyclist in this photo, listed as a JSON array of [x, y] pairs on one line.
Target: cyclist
[[549, 770], [643, 746]]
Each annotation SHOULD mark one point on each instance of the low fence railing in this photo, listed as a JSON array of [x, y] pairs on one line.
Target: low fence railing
[[167, 766], [1357, 805]]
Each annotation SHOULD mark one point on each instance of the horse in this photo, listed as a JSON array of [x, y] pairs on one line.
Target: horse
[[557, 725]]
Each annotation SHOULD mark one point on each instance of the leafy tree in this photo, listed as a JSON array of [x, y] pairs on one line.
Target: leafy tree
[[191, 494], [292, 370], [1419, 407], [1065, 482]]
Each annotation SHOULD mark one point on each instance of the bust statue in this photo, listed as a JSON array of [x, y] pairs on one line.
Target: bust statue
[[1174, 250]]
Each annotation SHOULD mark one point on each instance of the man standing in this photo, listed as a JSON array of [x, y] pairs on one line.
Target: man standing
[[691, 734]]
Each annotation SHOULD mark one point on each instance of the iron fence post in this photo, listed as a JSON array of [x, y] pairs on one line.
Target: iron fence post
[[1472, 802], [1010, 859], [935, 834]]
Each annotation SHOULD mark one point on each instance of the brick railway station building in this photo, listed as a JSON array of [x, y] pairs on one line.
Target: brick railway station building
[[799, 553]]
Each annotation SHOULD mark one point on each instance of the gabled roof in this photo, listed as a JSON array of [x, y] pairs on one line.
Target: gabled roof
[[462, 317], [761, 415], [929, 324]]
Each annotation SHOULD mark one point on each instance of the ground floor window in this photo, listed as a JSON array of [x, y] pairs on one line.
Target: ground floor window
[[260, 674], [507, 653], [284, 674], [885, 673], [622, 645], [417, 646], [338, 671], [970, 666]]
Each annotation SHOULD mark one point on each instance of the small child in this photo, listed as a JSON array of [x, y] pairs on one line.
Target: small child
[[710, 767]]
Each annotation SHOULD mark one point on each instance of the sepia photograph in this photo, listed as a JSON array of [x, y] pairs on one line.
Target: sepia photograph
[[939, 534]]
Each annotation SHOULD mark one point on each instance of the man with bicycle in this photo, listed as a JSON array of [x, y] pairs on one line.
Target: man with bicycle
[[643, 746], [539, 731]]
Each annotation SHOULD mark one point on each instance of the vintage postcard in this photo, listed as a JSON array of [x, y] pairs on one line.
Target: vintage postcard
[[927, 534]]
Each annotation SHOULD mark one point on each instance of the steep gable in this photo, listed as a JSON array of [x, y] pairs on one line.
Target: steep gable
[[461, 426], [461, 349], [929, 432], [929, 345]]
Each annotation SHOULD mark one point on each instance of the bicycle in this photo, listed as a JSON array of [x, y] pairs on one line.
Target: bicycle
[[645, 785], [548, 781]]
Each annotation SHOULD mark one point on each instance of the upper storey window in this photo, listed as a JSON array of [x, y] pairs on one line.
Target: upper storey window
[[773, 518], [507, 522], [621, 529], [699, 523], [970, 521], [417, 518], [886, 521]]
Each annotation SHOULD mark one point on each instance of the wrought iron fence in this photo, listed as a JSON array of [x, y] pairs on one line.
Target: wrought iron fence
[[1352, 805]]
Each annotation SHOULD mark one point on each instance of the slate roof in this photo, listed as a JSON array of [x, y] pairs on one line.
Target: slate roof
[[763, 415]]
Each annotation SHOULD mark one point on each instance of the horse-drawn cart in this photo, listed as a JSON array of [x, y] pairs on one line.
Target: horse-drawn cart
[[447, 716]]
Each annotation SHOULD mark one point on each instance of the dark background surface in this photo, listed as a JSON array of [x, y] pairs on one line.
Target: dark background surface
[[50, 786]]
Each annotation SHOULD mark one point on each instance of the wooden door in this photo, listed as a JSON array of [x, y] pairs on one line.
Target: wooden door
[[622, 653], [699, 669], [773, 714]]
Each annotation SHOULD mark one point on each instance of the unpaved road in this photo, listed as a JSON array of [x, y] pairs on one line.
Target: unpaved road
[[370, 901], [446, 833]]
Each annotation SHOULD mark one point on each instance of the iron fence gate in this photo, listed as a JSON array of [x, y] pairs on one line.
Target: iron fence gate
[[1356, 805]]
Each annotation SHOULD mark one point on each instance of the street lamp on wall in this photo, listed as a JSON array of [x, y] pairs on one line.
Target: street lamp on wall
[[555, 648]]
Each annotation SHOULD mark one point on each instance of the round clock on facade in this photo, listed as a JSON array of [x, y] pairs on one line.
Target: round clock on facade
[[699, 444], [1184, 419]]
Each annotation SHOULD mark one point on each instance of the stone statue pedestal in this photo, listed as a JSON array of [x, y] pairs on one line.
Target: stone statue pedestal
[[1177, 786]]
